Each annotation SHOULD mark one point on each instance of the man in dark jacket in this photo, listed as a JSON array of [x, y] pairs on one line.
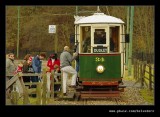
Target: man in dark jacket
[[37, 64]]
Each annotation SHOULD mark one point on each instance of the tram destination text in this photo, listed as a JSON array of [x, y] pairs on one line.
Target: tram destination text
[[99, 49]]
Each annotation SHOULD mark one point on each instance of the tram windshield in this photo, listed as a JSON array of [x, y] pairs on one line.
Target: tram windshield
[[99, 36], [100, 43]]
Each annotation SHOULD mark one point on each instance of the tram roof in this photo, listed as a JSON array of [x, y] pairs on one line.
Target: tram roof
[[97, 18]]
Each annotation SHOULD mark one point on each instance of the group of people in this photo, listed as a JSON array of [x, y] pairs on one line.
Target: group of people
[[30, 65], [34, 65], [26, 66]]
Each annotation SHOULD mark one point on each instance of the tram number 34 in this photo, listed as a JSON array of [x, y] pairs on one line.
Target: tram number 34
[[98, 59]]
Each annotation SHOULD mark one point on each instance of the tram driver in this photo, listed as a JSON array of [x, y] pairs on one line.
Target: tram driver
[[100, 38]]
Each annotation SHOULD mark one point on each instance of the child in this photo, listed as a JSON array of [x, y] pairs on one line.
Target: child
[[30, 68], [17, 84], [19, 67], [57, 73]]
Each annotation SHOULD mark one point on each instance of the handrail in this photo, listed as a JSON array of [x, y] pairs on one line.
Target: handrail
[[12, 80], [16, 76]]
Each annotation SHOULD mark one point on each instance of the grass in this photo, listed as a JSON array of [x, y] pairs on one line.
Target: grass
[[32, 101], [129, 78], [147, 95]]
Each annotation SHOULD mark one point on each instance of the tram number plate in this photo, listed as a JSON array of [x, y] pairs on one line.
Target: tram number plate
[[99, 49]]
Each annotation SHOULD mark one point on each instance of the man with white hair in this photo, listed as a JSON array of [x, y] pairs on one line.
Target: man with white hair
[[65, 63]]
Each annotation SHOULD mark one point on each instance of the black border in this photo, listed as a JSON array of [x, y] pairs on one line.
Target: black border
[[76, 109]]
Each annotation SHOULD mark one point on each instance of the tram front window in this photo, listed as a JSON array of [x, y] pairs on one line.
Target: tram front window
[[99, 36]]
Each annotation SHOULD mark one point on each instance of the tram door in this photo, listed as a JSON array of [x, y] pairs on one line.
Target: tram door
[[100, 40], [85, 39]]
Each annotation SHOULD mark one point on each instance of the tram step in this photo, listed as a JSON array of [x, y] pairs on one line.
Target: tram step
[[121, 86], [99, 92], [69, 96]]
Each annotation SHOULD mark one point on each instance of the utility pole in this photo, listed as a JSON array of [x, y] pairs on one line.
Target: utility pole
[[128, 14], [76, 10], [18, 9], [130, 44], [56, 40], [98, 9]]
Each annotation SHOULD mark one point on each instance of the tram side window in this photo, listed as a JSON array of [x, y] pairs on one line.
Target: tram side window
[[86, 39], [86, 45], [111, 45], [114, 39]]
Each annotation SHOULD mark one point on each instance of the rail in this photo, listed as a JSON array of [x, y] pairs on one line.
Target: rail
[[142, 74], [23, 91], [43, 94]]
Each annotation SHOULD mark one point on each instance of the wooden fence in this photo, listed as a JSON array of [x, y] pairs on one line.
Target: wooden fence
[[141, 73], [41, 91]]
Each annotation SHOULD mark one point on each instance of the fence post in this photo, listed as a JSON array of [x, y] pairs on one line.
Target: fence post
[[52, 85], [14, 95], [150, 77], [44, 97], [25, 93], [48, 85], [141, 74], [138, 77], [39, 93], [135, 69]]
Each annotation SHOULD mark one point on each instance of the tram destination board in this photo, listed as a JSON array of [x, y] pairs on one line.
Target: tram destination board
[[99, 49]]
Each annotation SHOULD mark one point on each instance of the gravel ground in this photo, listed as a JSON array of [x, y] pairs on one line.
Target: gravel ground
[[130, 96]]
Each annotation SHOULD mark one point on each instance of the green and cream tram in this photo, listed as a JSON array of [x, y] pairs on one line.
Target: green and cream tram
[[101, 50]]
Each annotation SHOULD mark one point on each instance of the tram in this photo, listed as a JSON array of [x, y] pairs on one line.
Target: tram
[[100, 41]]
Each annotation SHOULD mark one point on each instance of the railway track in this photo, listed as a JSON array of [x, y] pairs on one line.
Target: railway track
[[130, 97], [105, 101]]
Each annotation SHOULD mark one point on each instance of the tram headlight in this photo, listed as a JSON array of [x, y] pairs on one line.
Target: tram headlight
[[100, 68]]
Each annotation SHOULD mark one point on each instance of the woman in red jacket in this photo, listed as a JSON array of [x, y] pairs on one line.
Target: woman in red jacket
[[52, 62]]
